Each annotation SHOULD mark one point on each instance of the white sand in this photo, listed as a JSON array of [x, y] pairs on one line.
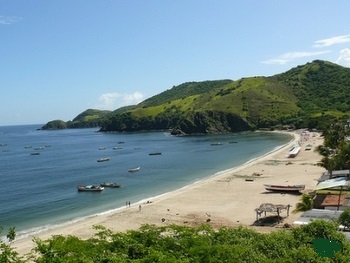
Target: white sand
[[226, 199]]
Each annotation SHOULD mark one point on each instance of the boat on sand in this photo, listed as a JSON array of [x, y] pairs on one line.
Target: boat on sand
[[284, 188]]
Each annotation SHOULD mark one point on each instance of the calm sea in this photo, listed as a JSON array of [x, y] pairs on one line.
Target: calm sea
[[39, 191]]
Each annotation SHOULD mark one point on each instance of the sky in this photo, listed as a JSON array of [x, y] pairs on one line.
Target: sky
[[59, 58]]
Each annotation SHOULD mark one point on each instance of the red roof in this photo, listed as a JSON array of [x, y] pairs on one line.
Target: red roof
[[332, 200]]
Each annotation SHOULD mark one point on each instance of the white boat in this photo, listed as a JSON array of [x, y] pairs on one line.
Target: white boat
[[284, 188], [134, 169], [294, 152], [90, 188], [104, 159]]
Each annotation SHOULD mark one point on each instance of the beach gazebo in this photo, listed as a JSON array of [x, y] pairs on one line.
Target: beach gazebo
[[271, 208]]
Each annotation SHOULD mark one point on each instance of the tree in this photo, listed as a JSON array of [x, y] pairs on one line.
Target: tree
[[305, 204], [7, 253]]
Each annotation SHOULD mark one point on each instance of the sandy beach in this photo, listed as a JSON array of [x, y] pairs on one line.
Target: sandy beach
[[225, 199]]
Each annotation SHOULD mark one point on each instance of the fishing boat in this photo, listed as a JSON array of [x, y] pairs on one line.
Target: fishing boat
[[90, 188], [134, 169], [109, 184], [104, 159], [284, 188]]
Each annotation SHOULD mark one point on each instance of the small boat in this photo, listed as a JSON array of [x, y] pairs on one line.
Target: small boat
[[104, 159], [35, 153], [134, 170], [216, 144], [308, 147], [294, 151], [284, 188], [233, 142], [155, 153], [102, 148], [39, 148], [109, 184], [90, 188], [117, 148]]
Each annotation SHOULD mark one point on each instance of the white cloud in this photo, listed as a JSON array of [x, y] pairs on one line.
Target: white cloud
[[290, 56], [114, 100], [8, 20], [332, 41], [344, 57]]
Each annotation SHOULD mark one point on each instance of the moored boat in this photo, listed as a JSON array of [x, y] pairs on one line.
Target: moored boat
[[104, 159], [90, 188], [155, 153], [134, 169], [109, 184], [284, 188]]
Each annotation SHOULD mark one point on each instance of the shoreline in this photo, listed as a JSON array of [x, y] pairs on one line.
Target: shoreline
[[34, 231], [220, 198]]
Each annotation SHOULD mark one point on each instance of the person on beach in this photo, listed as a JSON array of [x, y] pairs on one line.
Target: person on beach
[[140, 207], [129, 203]]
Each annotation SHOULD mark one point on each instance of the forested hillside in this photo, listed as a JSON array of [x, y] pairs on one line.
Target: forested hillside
[[305, 96]]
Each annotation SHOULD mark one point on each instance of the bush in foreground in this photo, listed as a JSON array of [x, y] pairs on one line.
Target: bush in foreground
[[201, 244]]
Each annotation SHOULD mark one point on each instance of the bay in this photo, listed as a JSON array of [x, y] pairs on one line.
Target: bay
[[39, 191]]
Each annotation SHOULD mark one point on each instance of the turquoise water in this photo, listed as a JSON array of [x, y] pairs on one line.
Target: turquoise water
[[39, 191]]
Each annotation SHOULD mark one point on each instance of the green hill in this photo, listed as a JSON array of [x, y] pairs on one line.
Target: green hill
[[305, 96], [87, 119]]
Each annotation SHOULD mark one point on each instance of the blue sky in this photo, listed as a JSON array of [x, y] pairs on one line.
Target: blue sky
[[59, 58]]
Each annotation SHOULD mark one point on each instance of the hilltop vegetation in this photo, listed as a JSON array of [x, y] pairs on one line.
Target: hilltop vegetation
[[305, 96], [87, 119]]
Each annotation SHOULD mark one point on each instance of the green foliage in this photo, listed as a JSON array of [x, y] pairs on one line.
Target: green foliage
[[335, 149], [201, 244], [182, 91], [344, 218], [91, 114], [55, 125], [7, 253], [305, 204], [87, 119]]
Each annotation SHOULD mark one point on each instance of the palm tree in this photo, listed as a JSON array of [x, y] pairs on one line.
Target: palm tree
[[306, 203], [329, 164]]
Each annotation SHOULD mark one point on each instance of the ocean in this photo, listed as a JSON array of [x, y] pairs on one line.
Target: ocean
[[40, 170]]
